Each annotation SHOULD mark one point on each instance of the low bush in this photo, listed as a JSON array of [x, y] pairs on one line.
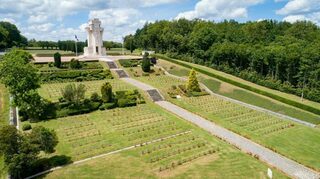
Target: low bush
[[108, 106], [130, 62], [26, 127], [76, 75], [75, 64]]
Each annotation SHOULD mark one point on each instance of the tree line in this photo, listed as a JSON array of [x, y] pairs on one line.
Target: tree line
[[68, 45], [280, 55], [10, 36]]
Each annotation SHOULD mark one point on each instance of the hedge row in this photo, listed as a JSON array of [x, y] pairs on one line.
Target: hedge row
[[76, 75], [239, 84]]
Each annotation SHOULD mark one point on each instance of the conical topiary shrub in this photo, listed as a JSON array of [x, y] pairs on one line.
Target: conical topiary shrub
[[193, 84]]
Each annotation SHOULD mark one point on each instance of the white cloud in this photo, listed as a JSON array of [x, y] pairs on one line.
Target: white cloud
[[118, 22], [294, 18], [41, 19], [297, 10], [218, 10]]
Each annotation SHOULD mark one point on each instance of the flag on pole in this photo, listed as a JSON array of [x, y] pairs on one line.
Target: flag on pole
[[75, 36]]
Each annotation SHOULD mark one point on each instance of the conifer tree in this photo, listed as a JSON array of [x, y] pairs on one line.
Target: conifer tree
[[193, 84], [106, 92]]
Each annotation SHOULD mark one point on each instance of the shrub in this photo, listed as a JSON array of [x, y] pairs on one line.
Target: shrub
[[57, 60], [75, 64], [146, 65], [108, 106], [26, 127], [124, 102], [74, 93], [106, 92], [95, 97]]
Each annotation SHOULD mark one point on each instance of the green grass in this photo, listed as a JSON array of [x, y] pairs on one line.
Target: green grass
[[243, 95], [103, 131], [53, 91], [4, 119], [290, 99], [298, 142], [48, 51]]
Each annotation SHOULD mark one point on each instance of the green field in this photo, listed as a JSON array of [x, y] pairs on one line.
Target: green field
[[53, 91], [4, 119], [48, 51], [180, 156], [243, 95], [288, 138]]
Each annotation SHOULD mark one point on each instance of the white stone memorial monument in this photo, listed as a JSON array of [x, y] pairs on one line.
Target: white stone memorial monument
[[95, 43]]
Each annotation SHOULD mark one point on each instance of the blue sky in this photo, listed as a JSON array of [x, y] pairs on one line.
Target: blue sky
[[62, 19]]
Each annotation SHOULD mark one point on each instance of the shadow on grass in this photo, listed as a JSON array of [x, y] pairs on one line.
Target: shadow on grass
[[44, 164]]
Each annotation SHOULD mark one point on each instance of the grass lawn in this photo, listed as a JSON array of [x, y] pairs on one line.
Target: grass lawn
[[243, 95], [4, 119], [275, 92], [52, 91], [48, 51], [291, 139], [196, 153]]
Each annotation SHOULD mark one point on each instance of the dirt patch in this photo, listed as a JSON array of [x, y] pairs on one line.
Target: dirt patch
[[183, 168], [226, 88]]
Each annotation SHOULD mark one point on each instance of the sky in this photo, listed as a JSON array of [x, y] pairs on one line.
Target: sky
[[62, 19]]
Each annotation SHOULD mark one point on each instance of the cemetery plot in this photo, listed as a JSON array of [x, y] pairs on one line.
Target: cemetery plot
[[163, 82], [173, 152], [287, 138], [258, 123], [100, 132], [177, 146], [53, 91]]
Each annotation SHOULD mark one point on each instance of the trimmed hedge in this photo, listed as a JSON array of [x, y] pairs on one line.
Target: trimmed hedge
[[75, 75], [241, 85]]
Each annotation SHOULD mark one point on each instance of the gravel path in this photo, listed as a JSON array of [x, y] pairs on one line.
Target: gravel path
[[288, 166]]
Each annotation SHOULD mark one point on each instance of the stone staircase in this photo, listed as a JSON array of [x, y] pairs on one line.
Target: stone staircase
[[155, 95], [122, 74], [112, 65]]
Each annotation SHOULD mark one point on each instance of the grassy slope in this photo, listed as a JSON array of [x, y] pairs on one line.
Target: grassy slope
[[4, 115], [243, 95], [300, 143], [228, 162], [275, 92]]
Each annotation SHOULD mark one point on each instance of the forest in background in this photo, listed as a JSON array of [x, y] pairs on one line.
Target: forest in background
[[279, 55]]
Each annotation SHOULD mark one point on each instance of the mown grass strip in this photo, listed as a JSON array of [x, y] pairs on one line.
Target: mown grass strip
[[241, 85]]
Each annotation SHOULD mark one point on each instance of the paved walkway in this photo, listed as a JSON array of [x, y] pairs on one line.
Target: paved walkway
[[288, 166]]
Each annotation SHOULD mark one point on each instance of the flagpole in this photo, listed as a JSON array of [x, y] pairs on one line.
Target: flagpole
[[75, 42], [76, 48]]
